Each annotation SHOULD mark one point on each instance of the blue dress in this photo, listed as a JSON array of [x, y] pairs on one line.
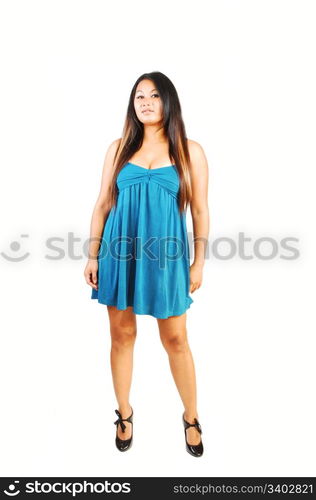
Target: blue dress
[[144, 258]]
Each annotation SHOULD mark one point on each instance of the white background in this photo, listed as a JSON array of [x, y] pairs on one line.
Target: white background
[[245, 74]]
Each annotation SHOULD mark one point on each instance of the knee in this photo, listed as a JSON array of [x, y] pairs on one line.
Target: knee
[[175, 343], [123, 336]]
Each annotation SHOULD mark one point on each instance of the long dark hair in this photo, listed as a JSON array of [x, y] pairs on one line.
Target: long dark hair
[[174, 129]]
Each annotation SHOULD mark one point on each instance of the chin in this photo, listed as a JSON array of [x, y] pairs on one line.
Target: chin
[[145, 119]]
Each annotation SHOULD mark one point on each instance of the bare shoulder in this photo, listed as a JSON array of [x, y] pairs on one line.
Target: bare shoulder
[[113, 147], [110, 154], [107, 173], [199, 177], [197, 155], [194, 145]]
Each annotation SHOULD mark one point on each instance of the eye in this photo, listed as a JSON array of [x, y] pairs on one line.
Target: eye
[[141, 96]]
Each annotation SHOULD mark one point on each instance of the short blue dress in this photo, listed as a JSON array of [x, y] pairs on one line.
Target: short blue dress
[[144, 259]]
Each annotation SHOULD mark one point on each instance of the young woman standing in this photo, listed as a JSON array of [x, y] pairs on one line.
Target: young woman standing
[[138, 252]]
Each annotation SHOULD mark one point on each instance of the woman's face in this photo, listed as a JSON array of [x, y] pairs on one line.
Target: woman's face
[[147, 103]]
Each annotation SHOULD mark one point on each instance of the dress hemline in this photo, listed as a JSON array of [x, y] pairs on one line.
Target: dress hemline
[[138, 311]]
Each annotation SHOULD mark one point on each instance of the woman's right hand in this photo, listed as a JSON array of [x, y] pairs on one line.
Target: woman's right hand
[[91, 273]]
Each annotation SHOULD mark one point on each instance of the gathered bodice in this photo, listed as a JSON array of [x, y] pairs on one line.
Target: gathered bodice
[[167, 177]]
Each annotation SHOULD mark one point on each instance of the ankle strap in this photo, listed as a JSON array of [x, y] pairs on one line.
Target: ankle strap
[[196, 425], [120, 420]]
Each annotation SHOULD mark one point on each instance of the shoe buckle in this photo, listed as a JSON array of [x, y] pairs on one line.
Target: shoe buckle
[[197, 426]]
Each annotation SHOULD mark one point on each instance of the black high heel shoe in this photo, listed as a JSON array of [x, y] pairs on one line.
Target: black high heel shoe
[[123, 444], [194, 449]]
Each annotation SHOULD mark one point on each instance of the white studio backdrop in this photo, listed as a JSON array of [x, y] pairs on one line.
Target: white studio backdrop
[[245, 74]]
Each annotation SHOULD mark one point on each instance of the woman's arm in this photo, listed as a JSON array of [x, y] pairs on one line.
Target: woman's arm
[[199, 211], [100, 213], [101, 208]]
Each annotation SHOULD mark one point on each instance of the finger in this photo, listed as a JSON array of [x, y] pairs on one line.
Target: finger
[[194, 287], [87, 278], [91, 281]]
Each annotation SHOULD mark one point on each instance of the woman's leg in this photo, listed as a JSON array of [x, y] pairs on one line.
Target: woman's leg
[[123, 330], [173, 335]]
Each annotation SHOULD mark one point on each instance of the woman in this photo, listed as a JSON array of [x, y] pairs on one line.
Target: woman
[[138, 251]]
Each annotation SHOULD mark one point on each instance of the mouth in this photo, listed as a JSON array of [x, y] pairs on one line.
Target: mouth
[[147, 111]]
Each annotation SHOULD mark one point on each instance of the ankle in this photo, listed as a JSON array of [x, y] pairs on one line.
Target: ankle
[[125, 410], [190, 416]]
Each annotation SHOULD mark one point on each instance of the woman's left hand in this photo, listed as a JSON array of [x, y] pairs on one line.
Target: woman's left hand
[[196, 273]]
